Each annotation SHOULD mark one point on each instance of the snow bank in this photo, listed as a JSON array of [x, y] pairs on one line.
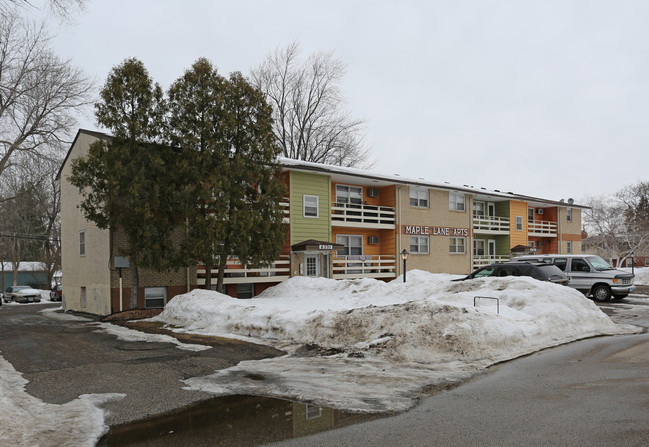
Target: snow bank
[[79, 422], [366, 345], [641, 275]]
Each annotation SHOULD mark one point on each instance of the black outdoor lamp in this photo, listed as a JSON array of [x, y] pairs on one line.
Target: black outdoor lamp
[[632, 264], [404, 256]]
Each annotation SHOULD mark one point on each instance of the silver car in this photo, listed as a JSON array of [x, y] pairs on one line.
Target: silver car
[[21, 294], [589, 274]]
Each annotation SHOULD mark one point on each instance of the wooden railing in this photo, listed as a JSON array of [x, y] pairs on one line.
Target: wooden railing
[[542, 228], [235, 272], [491, 224], [380, 266], [358, 215], [481, 261]]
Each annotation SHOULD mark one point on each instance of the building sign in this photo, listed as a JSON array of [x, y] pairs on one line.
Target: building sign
[[434, 231], [325, 247]]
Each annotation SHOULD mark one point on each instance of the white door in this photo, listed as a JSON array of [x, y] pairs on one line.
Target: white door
[[312, 265], [491, 248]]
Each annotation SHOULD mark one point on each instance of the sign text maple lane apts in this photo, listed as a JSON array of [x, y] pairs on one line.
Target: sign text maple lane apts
[[434, 231]]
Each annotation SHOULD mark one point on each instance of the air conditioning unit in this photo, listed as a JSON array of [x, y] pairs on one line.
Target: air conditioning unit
[[372, 192], [539, 211], [372, 239]]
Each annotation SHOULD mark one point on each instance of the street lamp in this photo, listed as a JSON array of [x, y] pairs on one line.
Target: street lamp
[[404, 256], [632, 264]]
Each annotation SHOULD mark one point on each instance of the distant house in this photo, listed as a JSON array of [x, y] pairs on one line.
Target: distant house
[[32, 274]]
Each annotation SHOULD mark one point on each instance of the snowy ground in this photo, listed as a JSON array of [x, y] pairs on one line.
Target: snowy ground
[[369, 346], [360, 345], [641, 275]]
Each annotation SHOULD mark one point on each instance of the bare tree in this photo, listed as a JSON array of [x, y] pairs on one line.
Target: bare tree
[[309, 121], [618, 225], [64, 9], [40, 94]]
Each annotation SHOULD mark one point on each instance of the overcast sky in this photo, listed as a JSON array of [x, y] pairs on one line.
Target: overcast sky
[[546, 98]]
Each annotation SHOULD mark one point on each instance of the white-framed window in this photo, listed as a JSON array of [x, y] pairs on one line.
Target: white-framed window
[[155, 297], [419, 197], [457, 245], [530, 215], [245, 290], [353, 244], [531, 244], [456, 201], [82, 243], [519, 223], [568, 247], [479, 248], [313, 412], [569, 215], [349, 194], [419, 244], [478, 209], [310, 204]]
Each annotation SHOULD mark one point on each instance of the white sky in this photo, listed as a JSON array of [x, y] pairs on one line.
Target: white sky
[[393, 340], [546, 98]]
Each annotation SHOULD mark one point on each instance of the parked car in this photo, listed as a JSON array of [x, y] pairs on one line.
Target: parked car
[[56, 294], [540, 271], [21, 294], [589, 274]]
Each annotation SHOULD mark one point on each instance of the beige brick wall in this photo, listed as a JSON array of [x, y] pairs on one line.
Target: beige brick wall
[[438, 214]]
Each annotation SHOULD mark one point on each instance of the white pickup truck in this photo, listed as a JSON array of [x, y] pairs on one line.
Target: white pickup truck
[[589, 274]]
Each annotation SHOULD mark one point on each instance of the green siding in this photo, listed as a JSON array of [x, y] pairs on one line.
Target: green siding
[[502, 209], [303, 228], [503, 246]]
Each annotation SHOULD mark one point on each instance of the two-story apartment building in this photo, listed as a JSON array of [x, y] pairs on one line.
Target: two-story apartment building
[[343, 223]]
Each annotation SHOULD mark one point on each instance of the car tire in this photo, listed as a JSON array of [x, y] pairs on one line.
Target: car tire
[[601, 294]]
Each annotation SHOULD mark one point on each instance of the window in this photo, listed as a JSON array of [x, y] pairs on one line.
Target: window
[[82, 243], [569, 215], [419, 197], [519, 223], [419, 244], [310, 205], [561, 263], [353, 244], [579, 265], [478, 209], [457, 245], [245, 291], [569, 247], [313, 412], [532, 244], [349, 194], [456, 201], [530, 214], [155, 297], [646, 262], [478, 247], [83, 298]]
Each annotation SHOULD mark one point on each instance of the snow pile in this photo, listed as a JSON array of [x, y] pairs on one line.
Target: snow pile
[[641, 275], [366, 345], [79, 422]]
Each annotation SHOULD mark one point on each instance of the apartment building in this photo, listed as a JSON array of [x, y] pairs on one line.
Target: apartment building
[[343, 223]]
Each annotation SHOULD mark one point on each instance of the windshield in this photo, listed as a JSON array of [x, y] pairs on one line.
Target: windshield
[[598, 263]]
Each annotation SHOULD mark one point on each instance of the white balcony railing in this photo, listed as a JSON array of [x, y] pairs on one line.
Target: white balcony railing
[[235, 272], [285, 204], [542, 228], [491, 224], [380, 266], [481, 261], [361, 215]]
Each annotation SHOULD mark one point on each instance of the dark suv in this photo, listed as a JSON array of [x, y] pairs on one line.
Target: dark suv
[[540, 271]]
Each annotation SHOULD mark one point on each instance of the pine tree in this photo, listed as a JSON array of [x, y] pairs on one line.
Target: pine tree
[[130, 182]]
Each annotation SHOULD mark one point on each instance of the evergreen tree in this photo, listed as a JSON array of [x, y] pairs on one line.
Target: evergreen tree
[[225, 127], [130, 182]]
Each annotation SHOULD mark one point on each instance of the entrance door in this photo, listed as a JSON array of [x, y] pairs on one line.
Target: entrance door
[[491, 248], [325, 265], [491, 209], [312, 265]]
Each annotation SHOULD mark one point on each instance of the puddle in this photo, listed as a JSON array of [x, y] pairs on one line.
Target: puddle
[[232, 421]]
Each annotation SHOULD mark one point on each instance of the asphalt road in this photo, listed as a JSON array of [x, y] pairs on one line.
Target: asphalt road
[[63, 359], [589, 393]]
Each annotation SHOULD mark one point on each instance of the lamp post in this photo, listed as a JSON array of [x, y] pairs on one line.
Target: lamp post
[[632, 264], [404, 256]]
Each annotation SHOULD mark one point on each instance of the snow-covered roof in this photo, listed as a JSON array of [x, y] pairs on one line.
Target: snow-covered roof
[[301, 165]]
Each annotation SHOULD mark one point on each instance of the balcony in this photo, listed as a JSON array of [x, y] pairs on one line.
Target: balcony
[[286, 210], [491, 225], [362, 216], [481, 261], [236, 273], [350, 267], [542, 228]]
